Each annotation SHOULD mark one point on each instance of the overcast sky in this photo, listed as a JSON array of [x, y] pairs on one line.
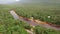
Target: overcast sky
[[11, 1], [6, 1]]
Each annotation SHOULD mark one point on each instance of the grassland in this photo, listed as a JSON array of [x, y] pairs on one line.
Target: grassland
[[40, 13], [10, 26], [7, 23]]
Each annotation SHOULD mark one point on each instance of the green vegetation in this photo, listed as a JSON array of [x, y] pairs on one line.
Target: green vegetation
[[41, 13], [7, 23], [10, 26], [43, 30]]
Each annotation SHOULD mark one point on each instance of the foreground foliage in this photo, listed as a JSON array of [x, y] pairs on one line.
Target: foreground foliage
[[10, 26], [43, 30]]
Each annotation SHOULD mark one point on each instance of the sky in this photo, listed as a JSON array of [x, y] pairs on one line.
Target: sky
[[7, 1], [12, 1]]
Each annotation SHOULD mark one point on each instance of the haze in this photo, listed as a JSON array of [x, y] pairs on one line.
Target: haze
[[7, 1], [28, 1]]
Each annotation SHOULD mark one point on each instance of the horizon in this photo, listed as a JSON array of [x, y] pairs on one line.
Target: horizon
[[28, 1]]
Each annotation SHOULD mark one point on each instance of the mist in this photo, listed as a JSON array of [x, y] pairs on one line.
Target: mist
[[29, 1]]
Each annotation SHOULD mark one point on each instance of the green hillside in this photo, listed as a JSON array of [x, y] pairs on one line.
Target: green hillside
[[7, 23], [39, 11]]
